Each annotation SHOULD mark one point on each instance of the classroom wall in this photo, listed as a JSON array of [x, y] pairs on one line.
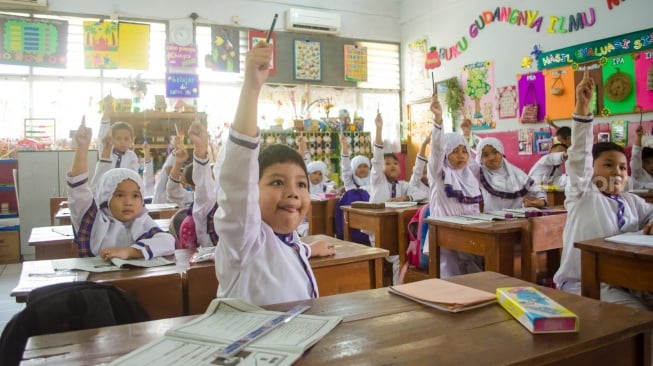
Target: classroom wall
[[363, 19], [444, 23]]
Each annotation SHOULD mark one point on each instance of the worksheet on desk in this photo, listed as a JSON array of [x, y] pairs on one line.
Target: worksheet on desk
[[634, 238]]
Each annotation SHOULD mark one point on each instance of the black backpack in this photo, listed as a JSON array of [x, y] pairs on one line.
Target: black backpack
[[66, 307]]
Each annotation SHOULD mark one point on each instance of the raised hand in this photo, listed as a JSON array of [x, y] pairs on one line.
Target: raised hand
[[436, 109], [584, 92], [344, 144], [258, 64], [200, 138], [181, 155], [83, 135]]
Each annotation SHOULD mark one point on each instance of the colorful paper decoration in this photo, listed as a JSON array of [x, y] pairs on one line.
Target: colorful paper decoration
[[525, 141], [255, 36], [100, 44], [618, 79], [131, 53], [643, 68], [181, 56], [355, 63], [477, 82], [559, 106], [225, 50], [619, 132], [432, 59], [542, 142], [308, 58], [535, 79], [33, 42], [507, 101], [182, 85]]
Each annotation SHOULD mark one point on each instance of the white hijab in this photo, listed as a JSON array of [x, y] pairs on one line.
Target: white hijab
[[355, 163], [508, 179], [460, 183], [106, 227], [315, 166]]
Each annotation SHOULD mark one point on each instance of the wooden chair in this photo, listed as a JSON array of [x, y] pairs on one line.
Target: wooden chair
[[541, 235], [55, 204]]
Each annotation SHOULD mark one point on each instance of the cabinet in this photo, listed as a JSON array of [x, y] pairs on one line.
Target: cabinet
[[157, 127], [9, 229], [41, 176], [322, 145]]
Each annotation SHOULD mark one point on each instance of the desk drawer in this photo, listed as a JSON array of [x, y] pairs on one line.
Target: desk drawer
[[9, 247]]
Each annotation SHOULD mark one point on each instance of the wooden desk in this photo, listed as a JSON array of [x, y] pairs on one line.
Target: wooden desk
[[387, 224], [155, 210], [381, 328], [321, 216], [555, 197], [355, 267], [54, 242], [618, 264], [495, 241], [647, 196]]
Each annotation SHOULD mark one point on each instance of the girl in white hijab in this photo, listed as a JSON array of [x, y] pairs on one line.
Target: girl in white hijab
[[355, 173], [454, 190], [114, 223], [503, 184], [318, 177]]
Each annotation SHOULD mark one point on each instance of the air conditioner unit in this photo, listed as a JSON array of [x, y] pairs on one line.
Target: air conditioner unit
[[302, 20], [23, 4]]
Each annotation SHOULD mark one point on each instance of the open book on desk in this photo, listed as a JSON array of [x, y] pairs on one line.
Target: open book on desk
[[444, 295], [97, 264], [224, 322]]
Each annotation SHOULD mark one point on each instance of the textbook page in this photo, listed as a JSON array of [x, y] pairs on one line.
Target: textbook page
[[228, 320], [634, 238], [463, 220], [97, 264], [485, 217]]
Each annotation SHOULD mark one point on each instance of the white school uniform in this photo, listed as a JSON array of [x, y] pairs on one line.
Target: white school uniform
[[325, 185], [548, 169], [251, 262], [205, 199], [348, 172], [148, 178], [160, 195], [507, 180], [129, 158], [106, 231], [381, 188], [590, 214], [419, 191], [641, 178], [453, 192], [177, 194]]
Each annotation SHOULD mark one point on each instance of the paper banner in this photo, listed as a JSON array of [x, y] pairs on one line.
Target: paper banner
[[181, 56], [535, 79], [308, 58], [644, 80], [507, 101], [225, 50], [182, 85], [477, 85], [33, 42], [355, 63], [133, 52], [255, 36], [100, 44], [559, 106], [626, 65]]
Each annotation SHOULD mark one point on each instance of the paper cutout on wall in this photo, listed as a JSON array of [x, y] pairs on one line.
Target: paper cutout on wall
[[100, 44], [181, 56], [255, 36], [182, 85], [535, 81], [132, 54], [644, 79], [477, 85], [225, 50], [560, 99], [507, 101], [33, 42], [355, 63], [618, 97]]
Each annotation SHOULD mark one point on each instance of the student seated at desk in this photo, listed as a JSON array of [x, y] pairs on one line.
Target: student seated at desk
[[548, 169], [503, 184], [115, 223], [419, 180], [455, 189], [318, 175], [118, 139], [596, 203], [161, 181], [641, 163], [355, 173], [261, 201]]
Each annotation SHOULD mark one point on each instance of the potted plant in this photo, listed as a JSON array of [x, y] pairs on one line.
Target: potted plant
[[454, 99]]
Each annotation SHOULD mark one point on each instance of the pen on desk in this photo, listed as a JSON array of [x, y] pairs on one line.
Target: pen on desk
[[274, 21]]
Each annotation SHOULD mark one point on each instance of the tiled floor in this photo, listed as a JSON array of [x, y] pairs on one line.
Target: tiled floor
[[9, 274]]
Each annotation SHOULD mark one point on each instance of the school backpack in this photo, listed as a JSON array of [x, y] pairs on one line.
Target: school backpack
[[350, 196], [417, 230], [65, 307]]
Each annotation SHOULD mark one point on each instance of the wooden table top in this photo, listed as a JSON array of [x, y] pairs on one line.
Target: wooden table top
[[601, 245], [387, 211], [346, 252], [64, 212], [381, 328], [498, 227], [59, 234]]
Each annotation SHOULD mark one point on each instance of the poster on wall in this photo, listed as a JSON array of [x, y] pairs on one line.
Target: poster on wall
[[307, 60], [618, 85], [131, 53], [255, 36], [182, 85], [477, 85], [525, 141], [225, 50], [531, 92], [181, 56], [619, 132], [417, 74], [355, 63], [507, 101], [644, 80], [100, 44], [33, 42], [596, 103], [542, 142], [560, 92]]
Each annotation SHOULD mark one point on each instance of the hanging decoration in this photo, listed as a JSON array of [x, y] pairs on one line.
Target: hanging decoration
[[225, 51], [100, 44], [432, 59], [417, 74]]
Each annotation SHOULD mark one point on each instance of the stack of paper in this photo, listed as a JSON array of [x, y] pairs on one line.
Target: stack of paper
[[634, 238], [444, 295]]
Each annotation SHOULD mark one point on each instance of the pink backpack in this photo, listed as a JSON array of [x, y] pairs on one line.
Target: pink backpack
[[417, 230], [187, 235]]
